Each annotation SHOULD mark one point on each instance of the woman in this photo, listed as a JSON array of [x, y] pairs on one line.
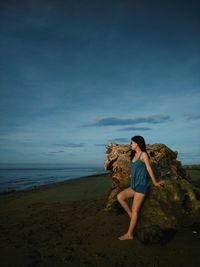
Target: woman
[[140, 170]]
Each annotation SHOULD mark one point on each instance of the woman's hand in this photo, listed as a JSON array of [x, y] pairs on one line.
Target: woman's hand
[[160, 183]]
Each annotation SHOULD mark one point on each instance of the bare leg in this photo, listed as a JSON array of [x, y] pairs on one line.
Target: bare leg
[[122, 196], [137, 201]]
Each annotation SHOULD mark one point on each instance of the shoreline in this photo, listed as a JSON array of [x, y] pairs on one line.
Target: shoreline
[[84, 187], [4, 193]]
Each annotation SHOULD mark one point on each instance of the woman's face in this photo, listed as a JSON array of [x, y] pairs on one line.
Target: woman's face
[[133, 145]]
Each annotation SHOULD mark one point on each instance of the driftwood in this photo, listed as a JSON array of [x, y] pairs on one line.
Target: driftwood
[[165, 208]]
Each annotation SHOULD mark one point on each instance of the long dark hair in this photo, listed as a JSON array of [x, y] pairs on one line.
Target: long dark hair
[[141, 143]]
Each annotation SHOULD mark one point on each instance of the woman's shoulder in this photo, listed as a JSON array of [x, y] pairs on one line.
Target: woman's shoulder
[[144, 155]]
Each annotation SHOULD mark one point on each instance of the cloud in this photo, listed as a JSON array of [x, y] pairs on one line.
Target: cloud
[[100, 145], [120, 140], [193, 117], [135, 129], [70, 145], [54, 153], [61, 151], [189, 155], [72, 155], [112, 121]]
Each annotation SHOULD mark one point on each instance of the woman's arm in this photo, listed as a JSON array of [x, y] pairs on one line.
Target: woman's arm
[[150, 171]]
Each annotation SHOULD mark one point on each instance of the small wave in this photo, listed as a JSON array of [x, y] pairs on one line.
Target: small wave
[[24, 178]]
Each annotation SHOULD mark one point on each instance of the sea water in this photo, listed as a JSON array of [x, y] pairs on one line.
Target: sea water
[[22, 177]]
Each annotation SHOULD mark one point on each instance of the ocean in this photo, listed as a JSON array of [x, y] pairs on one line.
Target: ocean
[[24, 177]]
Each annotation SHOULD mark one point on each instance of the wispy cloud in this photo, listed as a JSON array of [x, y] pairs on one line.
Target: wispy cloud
[[120, 140], [189, 155], [113, 121], [72, 154], [193, 117], [54, 153], [135, 129], [100, 145], [70, 145]]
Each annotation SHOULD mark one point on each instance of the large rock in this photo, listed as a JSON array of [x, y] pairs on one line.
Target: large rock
[[165, 208]]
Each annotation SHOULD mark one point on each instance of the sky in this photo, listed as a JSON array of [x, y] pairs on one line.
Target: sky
[[77, 75]]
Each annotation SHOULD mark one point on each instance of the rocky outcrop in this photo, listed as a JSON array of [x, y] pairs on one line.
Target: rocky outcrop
[[165, 208]]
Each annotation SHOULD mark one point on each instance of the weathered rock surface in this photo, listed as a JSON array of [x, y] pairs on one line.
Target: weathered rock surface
[[165, 208]]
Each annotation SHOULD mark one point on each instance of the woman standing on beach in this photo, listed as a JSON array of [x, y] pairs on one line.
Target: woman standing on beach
[[140, 169]]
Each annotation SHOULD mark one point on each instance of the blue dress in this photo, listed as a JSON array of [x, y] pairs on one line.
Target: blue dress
[[139, 176]]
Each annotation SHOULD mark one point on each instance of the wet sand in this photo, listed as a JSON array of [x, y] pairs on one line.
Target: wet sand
[[65, 225]]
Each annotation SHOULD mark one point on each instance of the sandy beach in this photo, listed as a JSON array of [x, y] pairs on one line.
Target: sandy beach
[[65, 225]]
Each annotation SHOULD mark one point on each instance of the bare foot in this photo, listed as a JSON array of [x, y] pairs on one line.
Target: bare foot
[[125, 237]]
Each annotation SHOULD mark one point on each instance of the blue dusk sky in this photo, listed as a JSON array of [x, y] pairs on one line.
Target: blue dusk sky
[[76, 75]]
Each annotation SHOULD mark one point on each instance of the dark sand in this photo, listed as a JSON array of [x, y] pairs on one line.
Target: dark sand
[[66, 225]]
